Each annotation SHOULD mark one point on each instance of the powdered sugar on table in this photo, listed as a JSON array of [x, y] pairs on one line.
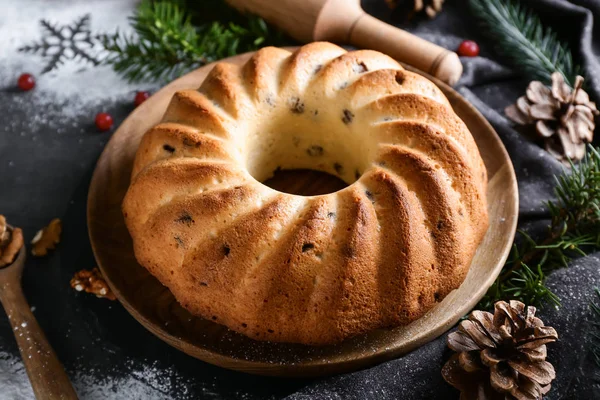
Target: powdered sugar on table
[[145, 382], [77, 86]]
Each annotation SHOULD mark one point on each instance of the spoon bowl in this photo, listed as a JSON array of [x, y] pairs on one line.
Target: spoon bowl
[[46, 374], [16, 267]]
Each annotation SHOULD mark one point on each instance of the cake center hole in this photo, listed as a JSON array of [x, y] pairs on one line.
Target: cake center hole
[[304, 182], [308, 146]]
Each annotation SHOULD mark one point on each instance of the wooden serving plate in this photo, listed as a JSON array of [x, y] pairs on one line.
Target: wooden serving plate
[[154, 306]]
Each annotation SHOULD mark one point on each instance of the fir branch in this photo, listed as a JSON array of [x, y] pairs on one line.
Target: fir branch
[[167, 44], [523, 40], [574, 228]]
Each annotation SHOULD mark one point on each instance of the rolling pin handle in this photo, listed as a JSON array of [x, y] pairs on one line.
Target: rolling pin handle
[[371, 33]]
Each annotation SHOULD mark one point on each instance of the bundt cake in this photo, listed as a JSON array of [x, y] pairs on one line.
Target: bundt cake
[[315, 270]]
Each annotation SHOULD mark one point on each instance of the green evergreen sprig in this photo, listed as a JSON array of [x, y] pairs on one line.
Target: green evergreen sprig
[[523, 41], [574, 229], [166, 43]]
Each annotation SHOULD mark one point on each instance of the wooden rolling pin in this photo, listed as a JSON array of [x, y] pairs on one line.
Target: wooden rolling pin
[[344, 21]]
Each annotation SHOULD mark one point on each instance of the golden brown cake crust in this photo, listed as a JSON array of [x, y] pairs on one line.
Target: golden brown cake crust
[[314, 270]]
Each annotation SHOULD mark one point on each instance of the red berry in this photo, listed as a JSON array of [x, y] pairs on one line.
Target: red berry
[[26, 82], [468, 48], [140, 97], [104, 121]]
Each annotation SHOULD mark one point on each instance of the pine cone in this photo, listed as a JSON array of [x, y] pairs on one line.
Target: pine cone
[[563, 117], [501, 356], [430, 7]]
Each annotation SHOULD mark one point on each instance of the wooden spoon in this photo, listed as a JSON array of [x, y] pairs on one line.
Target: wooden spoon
[[47, 375], [344, 21]]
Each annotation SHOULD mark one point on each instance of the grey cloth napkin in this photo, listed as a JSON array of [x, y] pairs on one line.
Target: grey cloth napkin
[[491, 86]]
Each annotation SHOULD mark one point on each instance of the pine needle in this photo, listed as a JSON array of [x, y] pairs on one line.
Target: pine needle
[[166, 44], [523, 41], [574, 230]]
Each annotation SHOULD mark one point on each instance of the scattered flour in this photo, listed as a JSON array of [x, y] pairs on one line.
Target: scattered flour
[[13, 379], [145, 382], [77, 86], [89, 388]]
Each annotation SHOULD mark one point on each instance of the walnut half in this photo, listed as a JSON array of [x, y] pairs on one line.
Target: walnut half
[[4, 232], [11, 241], [92, 282], [47, 238]]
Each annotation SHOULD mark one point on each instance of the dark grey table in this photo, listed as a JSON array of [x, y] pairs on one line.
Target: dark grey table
[[48, 149]]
